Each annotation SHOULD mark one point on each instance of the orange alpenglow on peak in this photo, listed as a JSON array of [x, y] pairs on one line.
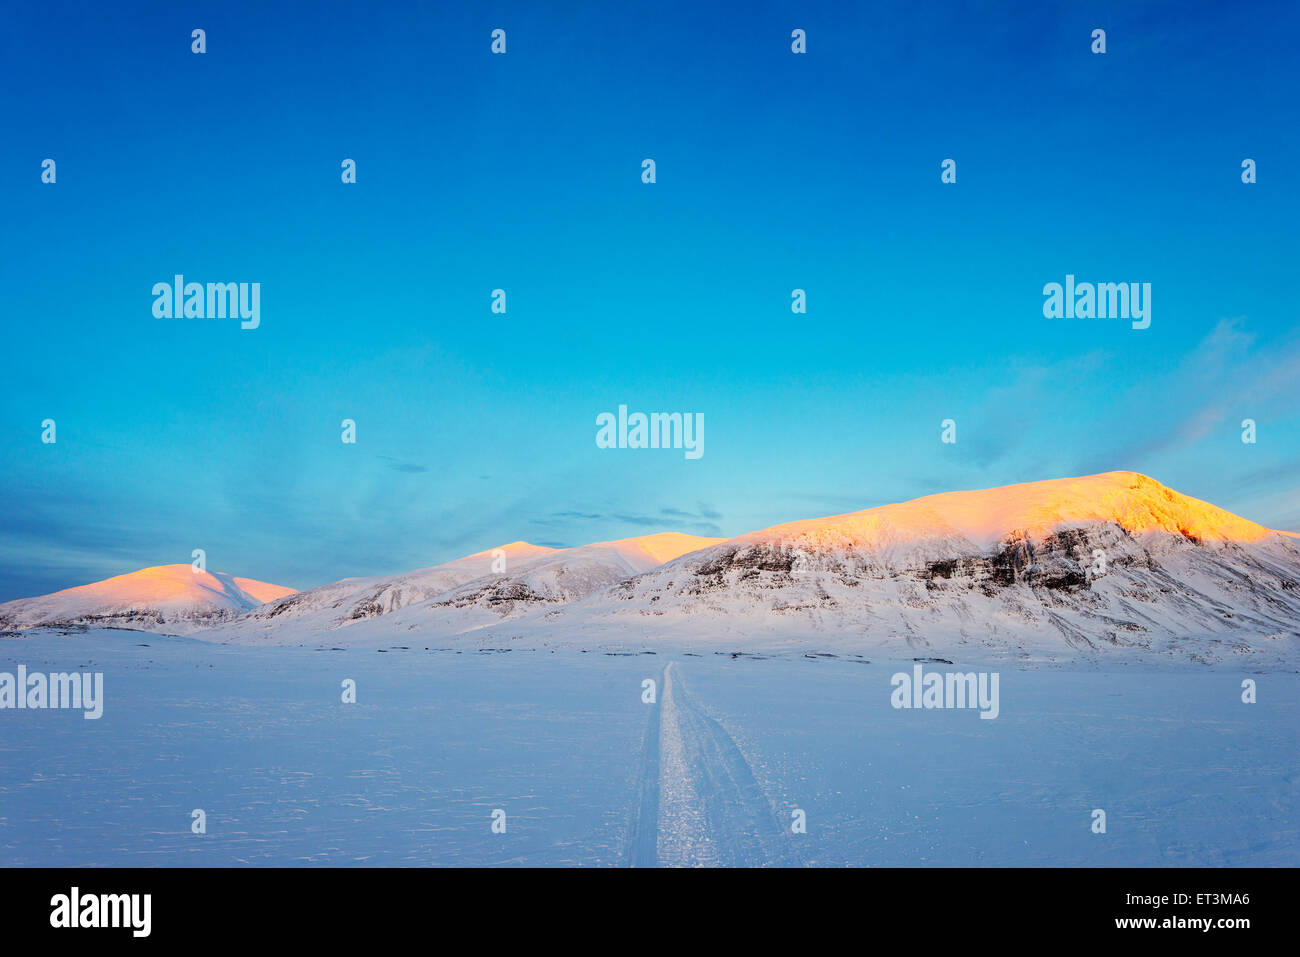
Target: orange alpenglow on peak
[[160, 593], [167, 583], [660, 547], [1134, 501]]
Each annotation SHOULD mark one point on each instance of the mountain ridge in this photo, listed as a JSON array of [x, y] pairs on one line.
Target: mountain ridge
[[1076, 565]]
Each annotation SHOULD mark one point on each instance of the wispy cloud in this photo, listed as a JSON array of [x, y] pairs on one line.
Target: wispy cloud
[[399, 466], [702, 521]]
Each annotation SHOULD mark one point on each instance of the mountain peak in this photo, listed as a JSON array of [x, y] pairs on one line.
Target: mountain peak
[[1135, 502], [175, 595], [519, 549], [660, 547]]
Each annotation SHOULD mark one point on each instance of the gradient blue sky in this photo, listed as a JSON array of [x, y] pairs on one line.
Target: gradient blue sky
[[522, 171]]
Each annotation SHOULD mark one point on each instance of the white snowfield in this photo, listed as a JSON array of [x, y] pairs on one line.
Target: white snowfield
[[736, 760], [1105, 567]]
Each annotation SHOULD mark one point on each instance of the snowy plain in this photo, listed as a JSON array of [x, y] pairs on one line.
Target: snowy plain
[[587, 773]]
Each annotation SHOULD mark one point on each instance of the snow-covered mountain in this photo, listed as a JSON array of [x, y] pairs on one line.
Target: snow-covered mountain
[[541, 586], [1067, 568], [174, 599], [479, 589], [352, 600]]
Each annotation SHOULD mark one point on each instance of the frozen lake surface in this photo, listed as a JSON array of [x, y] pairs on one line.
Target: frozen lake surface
[[588, 773]]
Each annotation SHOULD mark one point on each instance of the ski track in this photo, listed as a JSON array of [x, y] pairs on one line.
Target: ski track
[[643, 848], [708, 809]]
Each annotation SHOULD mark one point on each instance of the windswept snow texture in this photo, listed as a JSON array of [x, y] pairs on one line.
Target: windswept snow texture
[[588, 773], [173, 599]]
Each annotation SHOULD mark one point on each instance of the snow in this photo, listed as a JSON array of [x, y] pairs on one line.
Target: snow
[[1007, 574], [259, 592], [650, 551], [1161, 597], [981, 519], [177, 598], [589, 774], [469, 592], [518, 686], [353, 600], [1002, 574]]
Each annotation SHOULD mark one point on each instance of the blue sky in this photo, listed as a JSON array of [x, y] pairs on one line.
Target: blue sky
[[775, 171]]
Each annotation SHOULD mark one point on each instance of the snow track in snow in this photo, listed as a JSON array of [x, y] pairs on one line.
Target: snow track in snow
[[710, 810], [643, 848]]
